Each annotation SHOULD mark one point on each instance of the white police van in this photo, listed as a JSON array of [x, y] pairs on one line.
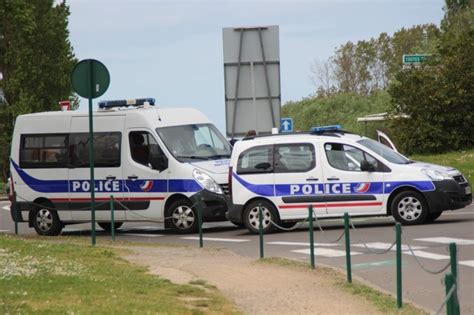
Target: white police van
[[152, 160], [336, 172]]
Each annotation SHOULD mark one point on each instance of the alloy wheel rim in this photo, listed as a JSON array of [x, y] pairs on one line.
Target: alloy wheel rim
[[253, 218], [410, 208], [183, 217], [44, 220]]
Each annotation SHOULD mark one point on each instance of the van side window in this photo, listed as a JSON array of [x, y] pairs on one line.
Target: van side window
[[346, 157], [43, 151], [106, 149], [146, 151], [256, 160], [293, 158]]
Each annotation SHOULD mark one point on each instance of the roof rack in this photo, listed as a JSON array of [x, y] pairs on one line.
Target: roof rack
[[125, 103]]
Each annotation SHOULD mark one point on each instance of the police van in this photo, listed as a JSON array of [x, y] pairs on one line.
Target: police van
[[154, 161], [336, 172]]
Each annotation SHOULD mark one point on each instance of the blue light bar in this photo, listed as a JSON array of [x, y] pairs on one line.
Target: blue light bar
[[126, 103], [321, 129]]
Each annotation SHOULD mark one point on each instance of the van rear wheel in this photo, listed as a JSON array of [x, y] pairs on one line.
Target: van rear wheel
[[46, 221]]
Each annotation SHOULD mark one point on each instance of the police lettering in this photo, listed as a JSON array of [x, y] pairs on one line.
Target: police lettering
[[100, 186], [314, 189]]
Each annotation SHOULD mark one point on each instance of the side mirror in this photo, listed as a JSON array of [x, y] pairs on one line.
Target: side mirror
[[263, 166], [366, 166]]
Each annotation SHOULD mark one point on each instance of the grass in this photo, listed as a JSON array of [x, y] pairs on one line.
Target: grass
[[461, 160], [41, 277], [382, 301]]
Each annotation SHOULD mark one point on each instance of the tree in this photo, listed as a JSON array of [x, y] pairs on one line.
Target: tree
[[36, 60]]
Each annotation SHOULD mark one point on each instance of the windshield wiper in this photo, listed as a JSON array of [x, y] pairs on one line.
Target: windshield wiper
[[194, 157], [219, 156]]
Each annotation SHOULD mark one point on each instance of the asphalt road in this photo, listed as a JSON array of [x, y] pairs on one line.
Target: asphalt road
[[429, 243]]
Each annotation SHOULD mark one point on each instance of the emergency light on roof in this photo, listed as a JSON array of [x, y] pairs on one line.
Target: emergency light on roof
[[126, 103], [322, 129]]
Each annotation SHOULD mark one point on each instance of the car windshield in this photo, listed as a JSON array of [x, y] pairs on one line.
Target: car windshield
[[384, 151], [195, 142]]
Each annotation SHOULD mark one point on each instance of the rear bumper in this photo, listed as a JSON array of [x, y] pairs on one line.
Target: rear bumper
[[214, 205], [448, 195]]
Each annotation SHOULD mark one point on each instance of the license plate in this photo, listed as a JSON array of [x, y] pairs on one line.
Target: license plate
[[468, 190]]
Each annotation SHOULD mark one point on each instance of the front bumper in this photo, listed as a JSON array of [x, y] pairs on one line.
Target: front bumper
[[214, 206], [235, 213], [449, 195]]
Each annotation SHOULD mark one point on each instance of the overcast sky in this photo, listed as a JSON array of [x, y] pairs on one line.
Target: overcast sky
[[172, 50]]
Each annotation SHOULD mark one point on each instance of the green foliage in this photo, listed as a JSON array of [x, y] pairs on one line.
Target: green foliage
[[439, 97], [341, 108], [36, 60]]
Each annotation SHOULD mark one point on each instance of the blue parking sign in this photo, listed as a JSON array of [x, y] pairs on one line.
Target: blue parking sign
[[286, 125]]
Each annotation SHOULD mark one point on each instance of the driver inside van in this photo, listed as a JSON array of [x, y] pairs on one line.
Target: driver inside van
[[139, 150]]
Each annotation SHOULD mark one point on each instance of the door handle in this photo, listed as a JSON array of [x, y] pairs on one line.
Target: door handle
[[110, 177], [133, 177], [332, 178], [313, 179]]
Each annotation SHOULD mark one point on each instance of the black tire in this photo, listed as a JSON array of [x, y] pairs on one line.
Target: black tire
[[409, 208], [46, 220], [107, 226], [432, 217], [251, 218], [182, 218]]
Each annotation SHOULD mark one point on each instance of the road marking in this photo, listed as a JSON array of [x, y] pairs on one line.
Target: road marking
[[301, 244], [384, 246], [423, 254], [469, 263], [4, 231], [457, 213], [325, 252], [374, 264], [446, 240], [143, 235], [6, 208], [215, 239]]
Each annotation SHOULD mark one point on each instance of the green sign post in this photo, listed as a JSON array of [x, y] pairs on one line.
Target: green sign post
[[414, 59], [90, 79]]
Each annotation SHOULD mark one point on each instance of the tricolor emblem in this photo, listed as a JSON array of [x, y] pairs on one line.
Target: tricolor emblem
[[362, 187], [147, 185]]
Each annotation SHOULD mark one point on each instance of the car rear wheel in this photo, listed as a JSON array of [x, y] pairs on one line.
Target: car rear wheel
[[46, 221], [251, 216], [410, 208]]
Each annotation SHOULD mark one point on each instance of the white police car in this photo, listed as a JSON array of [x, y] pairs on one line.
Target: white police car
[[336, 172]]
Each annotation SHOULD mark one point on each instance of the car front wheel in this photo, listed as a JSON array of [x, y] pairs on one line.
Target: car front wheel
[[410, 208]]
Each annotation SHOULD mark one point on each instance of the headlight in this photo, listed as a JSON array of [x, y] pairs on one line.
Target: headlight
[[436, 175], [207, 182]]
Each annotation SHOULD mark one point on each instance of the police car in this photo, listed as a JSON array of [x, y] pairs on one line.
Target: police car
[[155, 161], [336, 172]]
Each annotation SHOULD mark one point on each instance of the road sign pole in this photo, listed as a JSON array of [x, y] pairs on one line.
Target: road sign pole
[[91, 152]]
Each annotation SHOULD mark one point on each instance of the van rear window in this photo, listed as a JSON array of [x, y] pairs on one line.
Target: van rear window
[[43, 151]]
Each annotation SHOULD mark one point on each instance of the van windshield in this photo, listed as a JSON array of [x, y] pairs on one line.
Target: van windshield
[[195, 142], [384, 151]]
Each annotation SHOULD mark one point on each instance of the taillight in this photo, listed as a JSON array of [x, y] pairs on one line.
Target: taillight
[[229, 182]]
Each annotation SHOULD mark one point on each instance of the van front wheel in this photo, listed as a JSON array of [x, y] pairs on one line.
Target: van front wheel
[[181, 217], [46, 221], [409, 208]]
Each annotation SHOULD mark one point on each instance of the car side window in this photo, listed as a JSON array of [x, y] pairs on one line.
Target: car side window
[[347, 158], [294, 158], [256, 160], [145, 150]]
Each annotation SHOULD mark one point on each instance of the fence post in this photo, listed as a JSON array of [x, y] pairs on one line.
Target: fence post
[[348, 247], [449, 282], [398, 237], [199, 214], [112, 217], [454, 272], [260, 229], [311, 235]]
